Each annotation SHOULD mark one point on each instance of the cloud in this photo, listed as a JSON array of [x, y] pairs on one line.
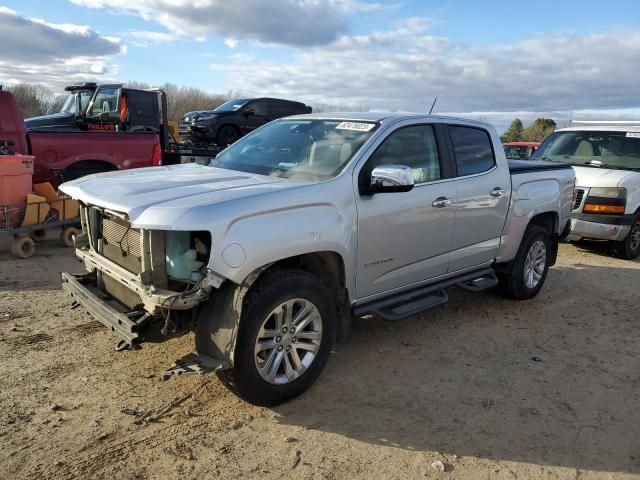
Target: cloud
[[404, 68], [282, 22], [145, 38], [231, 42], [33, 50]]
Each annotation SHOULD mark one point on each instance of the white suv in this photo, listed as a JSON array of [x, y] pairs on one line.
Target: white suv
[[606, 158]]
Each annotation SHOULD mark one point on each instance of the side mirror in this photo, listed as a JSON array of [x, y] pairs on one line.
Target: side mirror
[[249, 111], [391, 178]]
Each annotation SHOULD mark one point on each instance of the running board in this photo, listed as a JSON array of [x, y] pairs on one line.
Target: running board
[[406, 304]]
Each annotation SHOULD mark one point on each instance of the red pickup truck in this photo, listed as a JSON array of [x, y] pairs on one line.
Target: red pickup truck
[[116, 135]]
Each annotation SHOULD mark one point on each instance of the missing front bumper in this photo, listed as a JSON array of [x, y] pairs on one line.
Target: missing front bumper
[[81, 290]]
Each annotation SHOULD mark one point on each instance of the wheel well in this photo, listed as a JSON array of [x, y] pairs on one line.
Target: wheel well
[[235, 127], [547, 220], [86, 167], [327, 266]]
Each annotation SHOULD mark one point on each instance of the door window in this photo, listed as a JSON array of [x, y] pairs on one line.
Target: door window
[[106, 101], [259, 107], [472, 149], [414, 147]]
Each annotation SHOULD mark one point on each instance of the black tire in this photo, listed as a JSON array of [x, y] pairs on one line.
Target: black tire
[[512, 282], [629, 248], [271, 290], [227, 134]]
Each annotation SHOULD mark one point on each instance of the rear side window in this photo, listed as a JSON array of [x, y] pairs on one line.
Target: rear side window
[[259, 107], [283, 109], [472, 148]]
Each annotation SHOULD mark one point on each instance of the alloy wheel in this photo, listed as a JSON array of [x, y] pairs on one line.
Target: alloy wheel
[[288, 341], [535, 264]]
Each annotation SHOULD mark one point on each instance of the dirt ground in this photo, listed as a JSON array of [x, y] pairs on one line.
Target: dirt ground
[[494, 389]]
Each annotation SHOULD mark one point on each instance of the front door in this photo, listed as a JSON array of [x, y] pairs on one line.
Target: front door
[[259, 115], [404, 237]]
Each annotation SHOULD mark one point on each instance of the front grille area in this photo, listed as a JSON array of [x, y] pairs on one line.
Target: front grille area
[[122, 244], [579, 197]]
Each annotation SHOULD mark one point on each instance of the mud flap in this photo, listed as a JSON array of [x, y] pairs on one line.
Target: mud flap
[[218, 321]]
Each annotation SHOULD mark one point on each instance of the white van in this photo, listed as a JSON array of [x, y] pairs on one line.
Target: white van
[[606, 158]]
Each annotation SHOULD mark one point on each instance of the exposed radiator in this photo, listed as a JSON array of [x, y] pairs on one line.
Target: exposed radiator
[[126, 296], [122, 244]]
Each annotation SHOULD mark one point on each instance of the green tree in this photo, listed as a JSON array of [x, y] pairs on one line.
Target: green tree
[[539, 130], [514, 132]]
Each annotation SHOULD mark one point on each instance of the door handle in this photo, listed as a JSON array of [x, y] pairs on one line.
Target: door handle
[[441, 202], [497, 192]]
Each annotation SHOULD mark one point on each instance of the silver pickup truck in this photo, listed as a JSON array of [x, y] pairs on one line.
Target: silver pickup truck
[[269, 251]]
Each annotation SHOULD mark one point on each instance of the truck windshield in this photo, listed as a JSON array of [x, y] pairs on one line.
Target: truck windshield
[[619, 150], [77, 102], [304, 149], [231, 105]]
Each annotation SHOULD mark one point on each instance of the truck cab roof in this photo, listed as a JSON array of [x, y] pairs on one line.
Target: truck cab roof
[[392, 117]]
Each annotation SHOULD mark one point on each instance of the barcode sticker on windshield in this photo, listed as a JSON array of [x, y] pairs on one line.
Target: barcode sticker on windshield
[[633, 134], [358, 126]]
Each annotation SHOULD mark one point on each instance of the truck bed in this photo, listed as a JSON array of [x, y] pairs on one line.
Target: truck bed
[[526, 166]]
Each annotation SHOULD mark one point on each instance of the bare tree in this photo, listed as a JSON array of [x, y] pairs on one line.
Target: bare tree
[[35, 100], [181, 100]]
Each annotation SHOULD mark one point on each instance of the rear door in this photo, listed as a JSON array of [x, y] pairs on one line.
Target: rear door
[[404, 238], [483, 192]]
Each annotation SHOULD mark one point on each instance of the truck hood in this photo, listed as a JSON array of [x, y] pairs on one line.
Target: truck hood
[[190, 116], [600, 177], [54, 119], [157, 197]]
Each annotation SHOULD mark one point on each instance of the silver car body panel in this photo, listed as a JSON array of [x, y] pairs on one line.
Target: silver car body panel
[[256, 220]]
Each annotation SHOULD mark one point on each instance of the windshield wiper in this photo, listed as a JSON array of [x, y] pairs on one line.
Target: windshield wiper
[[606, 165]]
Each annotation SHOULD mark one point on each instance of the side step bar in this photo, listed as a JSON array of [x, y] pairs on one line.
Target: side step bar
[[406, 304], [119, 323]]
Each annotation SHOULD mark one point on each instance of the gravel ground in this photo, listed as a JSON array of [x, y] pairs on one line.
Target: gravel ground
[[492, 389]]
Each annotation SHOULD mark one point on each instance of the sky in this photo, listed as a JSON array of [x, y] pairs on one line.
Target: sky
[[494, 60]]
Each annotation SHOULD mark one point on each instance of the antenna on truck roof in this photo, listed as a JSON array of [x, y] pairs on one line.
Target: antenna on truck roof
[[433, 105]]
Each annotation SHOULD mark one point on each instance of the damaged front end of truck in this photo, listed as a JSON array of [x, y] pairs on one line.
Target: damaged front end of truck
[[143, 284]]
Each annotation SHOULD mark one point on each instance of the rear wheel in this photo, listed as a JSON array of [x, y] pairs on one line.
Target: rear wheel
[[226, 135], [629, 248], [285, 336], [526, 274]]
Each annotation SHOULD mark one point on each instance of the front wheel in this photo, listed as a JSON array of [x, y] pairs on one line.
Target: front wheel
[[286, 333], [525, 275], [629, 248], [226, 136]]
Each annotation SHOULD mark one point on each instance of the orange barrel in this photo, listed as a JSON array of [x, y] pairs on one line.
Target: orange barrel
[[16, 179]]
